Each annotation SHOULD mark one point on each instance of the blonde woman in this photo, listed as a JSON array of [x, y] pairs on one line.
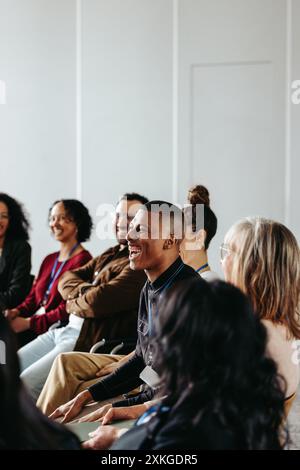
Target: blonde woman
[[262, 258]]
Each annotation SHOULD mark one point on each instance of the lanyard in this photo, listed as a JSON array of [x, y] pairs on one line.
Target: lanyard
[[201, 267], [54, 275], [160, 290]]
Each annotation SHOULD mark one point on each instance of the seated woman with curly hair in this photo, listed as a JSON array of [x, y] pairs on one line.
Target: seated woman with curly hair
[[15, 253], [70, 223], [221, 389]]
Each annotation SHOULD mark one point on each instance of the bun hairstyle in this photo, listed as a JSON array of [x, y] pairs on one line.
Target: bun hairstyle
[[199, 195]]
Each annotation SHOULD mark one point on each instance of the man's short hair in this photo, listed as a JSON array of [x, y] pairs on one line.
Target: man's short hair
[[134, 197], [171, 215]]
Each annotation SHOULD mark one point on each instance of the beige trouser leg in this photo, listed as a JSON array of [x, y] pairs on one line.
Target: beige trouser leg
[[70, 374]]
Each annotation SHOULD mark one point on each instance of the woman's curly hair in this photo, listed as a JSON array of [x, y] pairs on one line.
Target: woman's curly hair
[[212, 346], [18, 227], [80, 215]]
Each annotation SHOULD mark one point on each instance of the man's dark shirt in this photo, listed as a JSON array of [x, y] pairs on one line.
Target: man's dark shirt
[[126, 377]]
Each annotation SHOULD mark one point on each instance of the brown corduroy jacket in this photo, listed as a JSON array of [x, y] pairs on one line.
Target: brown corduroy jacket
[[105, 292]]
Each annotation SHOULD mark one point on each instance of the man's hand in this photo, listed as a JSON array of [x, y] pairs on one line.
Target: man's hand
[[72, 408], [102, 438], [96, 415], [20, 324], [124, 412], [11, 314], [108, 369]]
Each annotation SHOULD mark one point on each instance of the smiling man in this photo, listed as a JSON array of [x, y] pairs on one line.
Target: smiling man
[[154, 239]]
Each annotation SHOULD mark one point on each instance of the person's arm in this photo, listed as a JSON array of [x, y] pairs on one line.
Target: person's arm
[[109, 368], [72, 282], [41, 323], [143, 397], [128, 412], [122, 380], [120, 293], [30, 304], [20, 280]]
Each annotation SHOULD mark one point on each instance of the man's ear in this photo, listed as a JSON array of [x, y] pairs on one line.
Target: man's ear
[[200, 238], [170, 242]]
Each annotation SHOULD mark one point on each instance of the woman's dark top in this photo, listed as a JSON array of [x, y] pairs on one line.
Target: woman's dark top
[[15, 278], [175, 429]]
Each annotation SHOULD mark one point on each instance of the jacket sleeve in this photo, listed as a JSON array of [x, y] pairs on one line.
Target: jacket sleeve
[[138, 399], [122, 380], [71, 282], [30, 305], [41, 323], [20, 281], [120, 293]]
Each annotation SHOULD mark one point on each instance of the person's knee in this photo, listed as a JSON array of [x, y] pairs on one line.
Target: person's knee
[[63, 359]]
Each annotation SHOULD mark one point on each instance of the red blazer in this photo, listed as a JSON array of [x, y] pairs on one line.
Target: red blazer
[[55, 307]]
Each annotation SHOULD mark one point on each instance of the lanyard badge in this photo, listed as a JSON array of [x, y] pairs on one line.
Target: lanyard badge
[[54, 275]]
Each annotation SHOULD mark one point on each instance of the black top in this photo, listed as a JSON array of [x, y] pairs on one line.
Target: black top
[[126, 378], [175, 429], [15, 278]]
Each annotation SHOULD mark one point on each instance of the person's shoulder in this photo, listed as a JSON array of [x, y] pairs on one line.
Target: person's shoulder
[[50, 258], [210, 276], [277, 334], [188, 272], [20, 245], [84, 255], [108, 252]]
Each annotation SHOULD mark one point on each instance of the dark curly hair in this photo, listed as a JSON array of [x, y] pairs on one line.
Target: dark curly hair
[[18, 227], [212, 346], [79, 215]]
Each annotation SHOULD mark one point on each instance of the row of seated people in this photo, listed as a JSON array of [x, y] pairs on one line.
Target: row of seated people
[[98, 300], [249, 263]]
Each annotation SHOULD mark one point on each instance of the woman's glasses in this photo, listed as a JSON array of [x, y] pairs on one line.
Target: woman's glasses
[[225, 251]]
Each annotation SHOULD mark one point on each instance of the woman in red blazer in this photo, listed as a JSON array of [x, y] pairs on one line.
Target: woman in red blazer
[[70, 224]]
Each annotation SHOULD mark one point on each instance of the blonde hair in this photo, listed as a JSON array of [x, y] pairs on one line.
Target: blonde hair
[[266, 267]]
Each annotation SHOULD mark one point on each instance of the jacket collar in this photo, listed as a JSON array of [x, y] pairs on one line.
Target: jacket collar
[[166, 275]]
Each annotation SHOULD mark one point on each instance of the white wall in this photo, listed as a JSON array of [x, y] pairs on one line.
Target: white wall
[[232, 101], [126, 99], [37, 123], [89, 104], [294, 173], [107, 96]]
